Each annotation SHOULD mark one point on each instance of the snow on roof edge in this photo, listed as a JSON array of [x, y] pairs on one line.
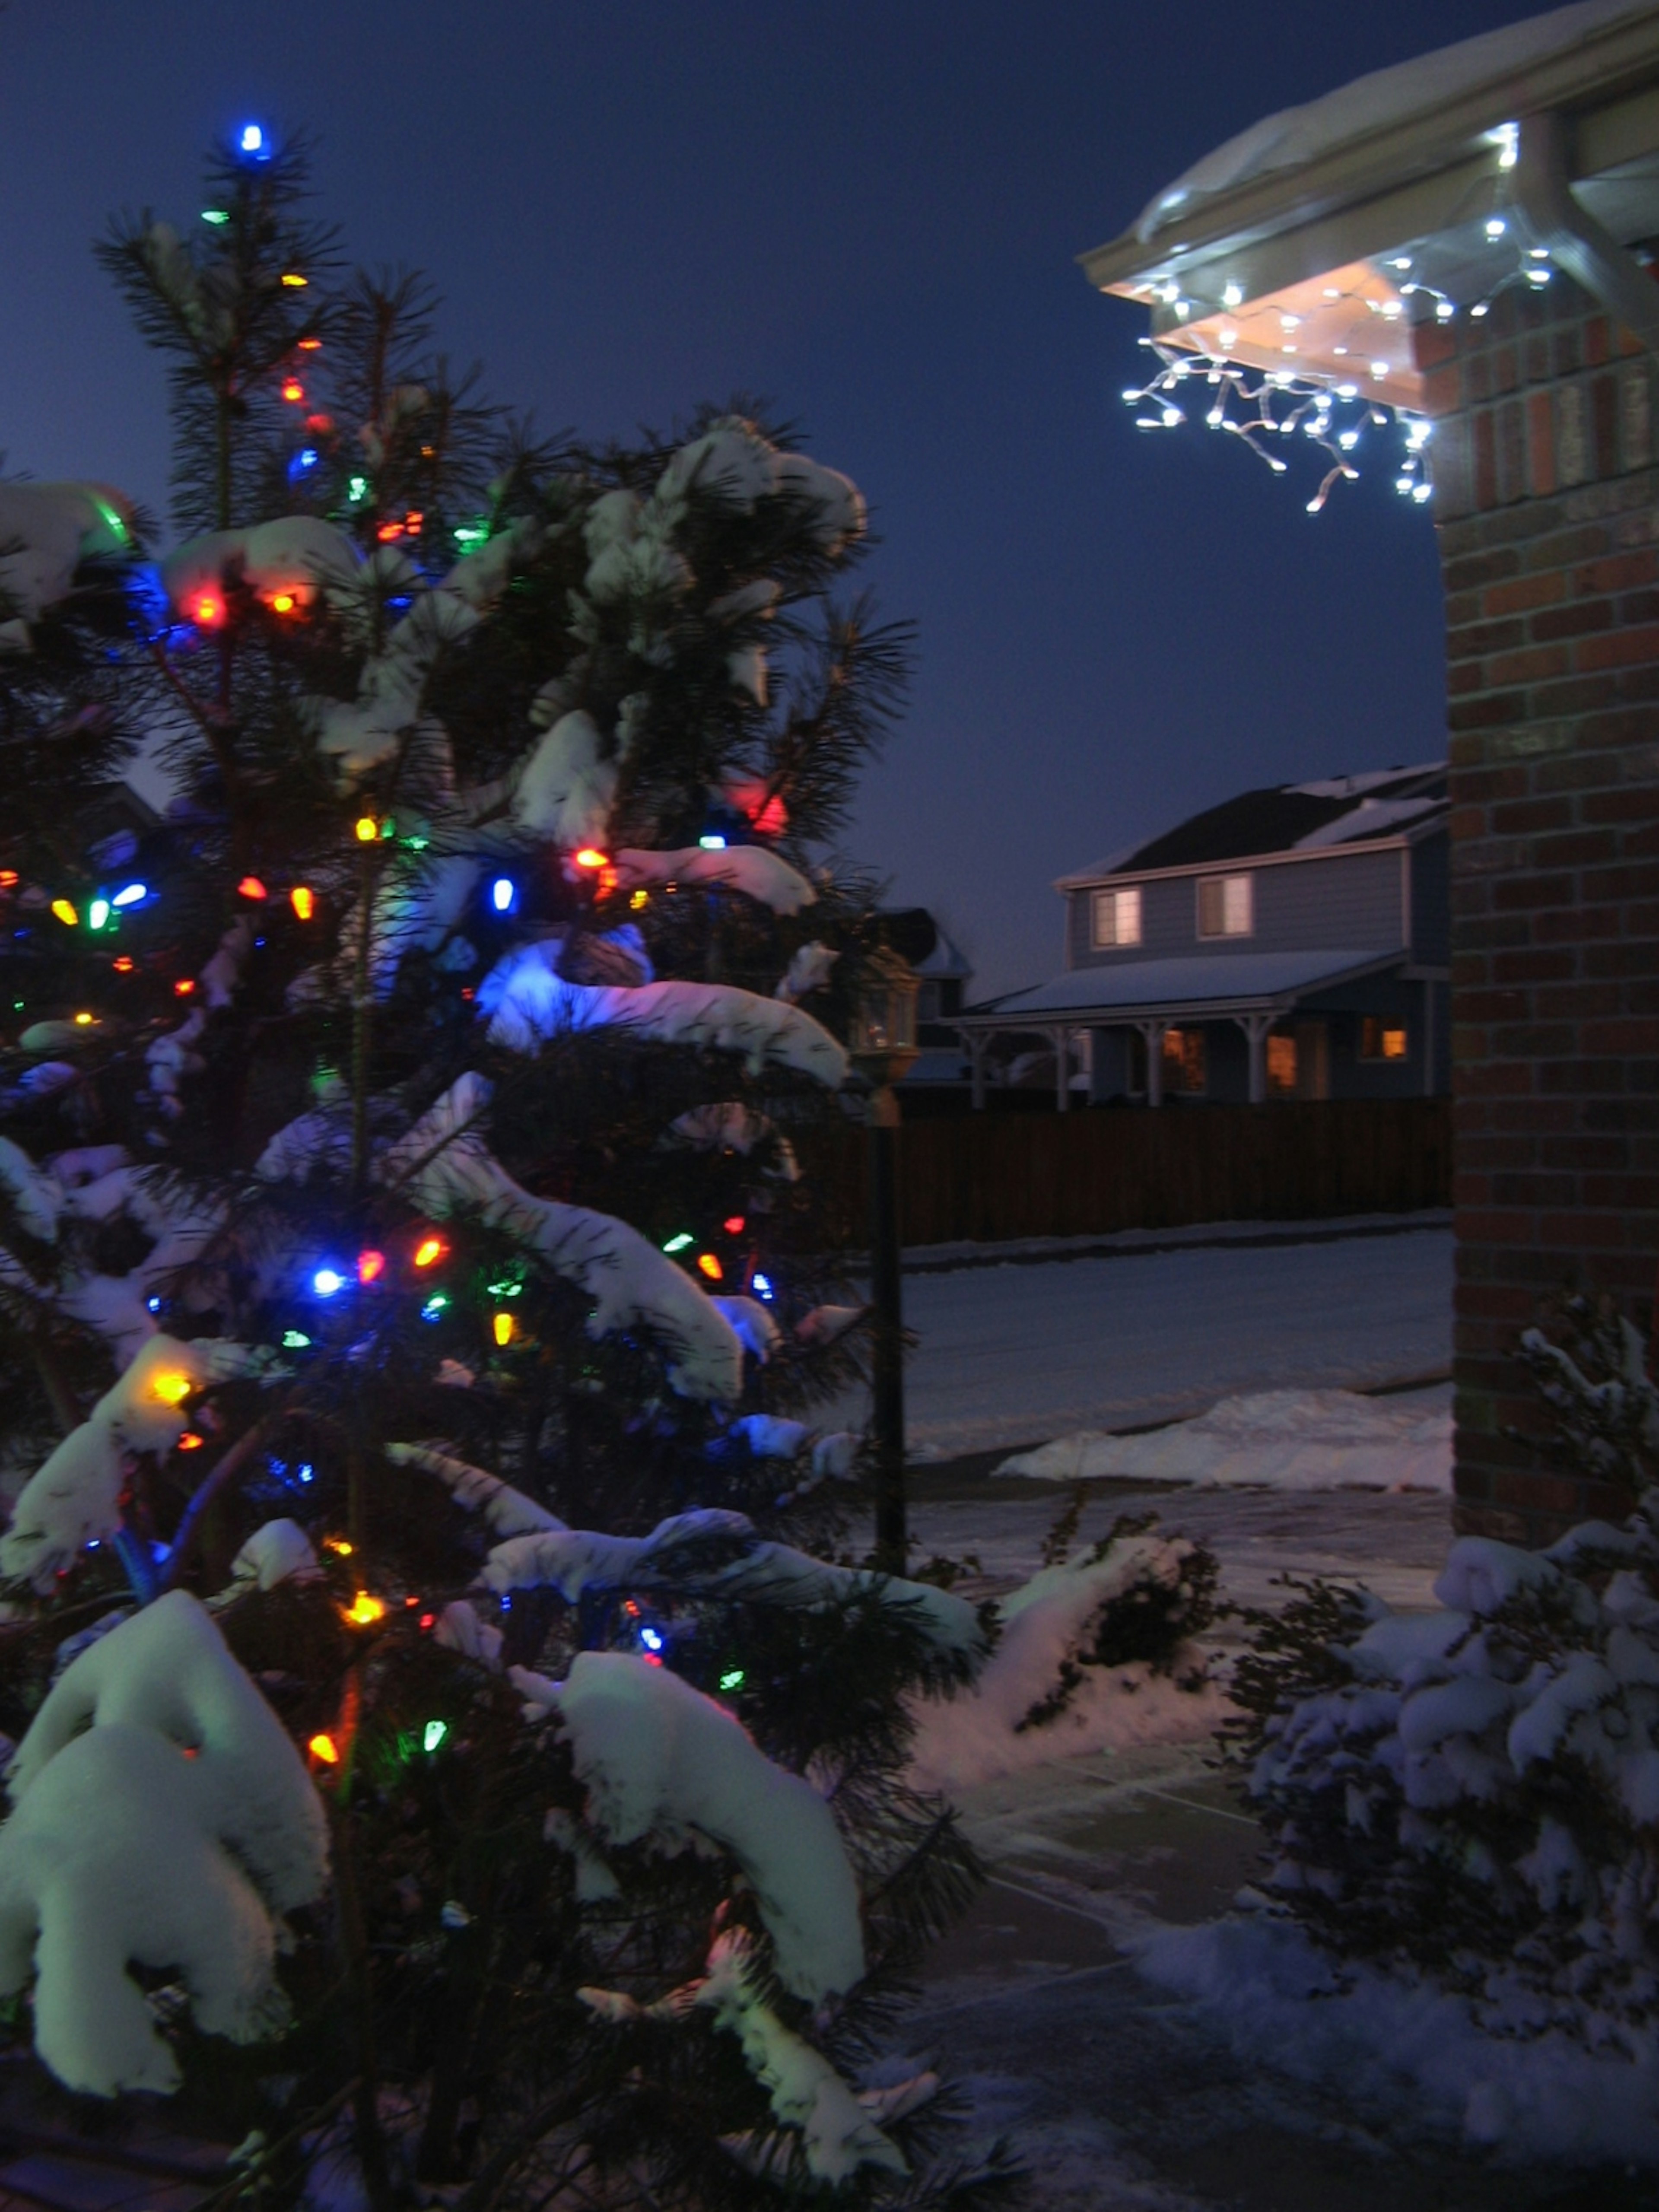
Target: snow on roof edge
[[1298, 136]]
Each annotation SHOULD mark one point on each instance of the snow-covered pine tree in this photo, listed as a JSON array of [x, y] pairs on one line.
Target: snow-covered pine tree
[[434, 1755]]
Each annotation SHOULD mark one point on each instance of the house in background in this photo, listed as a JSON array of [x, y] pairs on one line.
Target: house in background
[[942, 973], [1293, 942]]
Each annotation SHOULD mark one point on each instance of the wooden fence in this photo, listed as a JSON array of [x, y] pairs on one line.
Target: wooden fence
[[987, 1177]]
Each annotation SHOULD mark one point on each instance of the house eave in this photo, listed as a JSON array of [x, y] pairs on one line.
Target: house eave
[[1411, 176], [1400, 840]]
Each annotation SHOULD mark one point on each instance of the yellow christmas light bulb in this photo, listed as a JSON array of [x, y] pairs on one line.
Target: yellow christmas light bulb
[[172, 1386], [366, 1610], [368, 829], [504, 1327], [325, 1748], [65, 912]]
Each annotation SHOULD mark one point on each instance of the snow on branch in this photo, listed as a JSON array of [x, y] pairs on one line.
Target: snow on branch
[[712, 1553], [753, 869], [163, 1819], [658, 1759], [46, 530], [837, 2125], [530, 1002], [76, 1496], [449, 1169], [507, 1511]]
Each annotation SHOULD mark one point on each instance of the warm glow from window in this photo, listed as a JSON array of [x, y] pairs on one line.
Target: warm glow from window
[[1117, 916], [1281, 1065], [1226, 906], [1382, 1039]]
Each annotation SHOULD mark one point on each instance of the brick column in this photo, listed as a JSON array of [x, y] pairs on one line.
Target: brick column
[[1548, 507]]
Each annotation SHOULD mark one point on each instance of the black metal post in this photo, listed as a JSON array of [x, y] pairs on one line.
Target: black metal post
[[887, 1379]]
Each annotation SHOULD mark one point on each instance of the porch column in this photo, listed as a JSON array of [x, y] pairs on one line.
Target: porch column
[[1153, 1034], [978, 1042], [1255, 1027], [1063, 1069]]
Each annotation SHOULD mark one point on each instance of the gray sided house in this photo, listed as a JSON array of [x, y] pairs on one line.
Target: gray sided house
[[1293, 942]]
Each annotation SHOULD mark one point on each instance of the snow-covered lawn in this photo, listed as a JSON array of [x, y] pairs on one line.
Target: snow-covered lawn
[[1020, 1353]]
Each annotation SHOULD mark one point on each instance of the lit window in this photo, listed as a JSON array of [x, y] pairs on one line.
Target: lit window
[[1382, 1039], [1186, 1064], [1117, 916], [1281, 1067], [1227, 907]]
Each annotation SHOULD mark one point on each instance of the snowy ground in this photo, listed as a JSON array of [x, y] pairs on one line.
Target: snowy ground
[[1079, 2005], [1124, 2089], [1019, 1353]]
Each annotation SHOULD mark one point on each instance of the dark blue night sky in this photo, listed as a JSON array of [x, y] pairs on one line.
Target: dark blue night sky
[[866, 212]]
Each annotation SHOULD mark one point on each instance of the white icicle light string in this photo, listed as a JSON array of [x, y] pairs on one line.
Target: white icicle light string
[[1310, 404], [1309, 407]]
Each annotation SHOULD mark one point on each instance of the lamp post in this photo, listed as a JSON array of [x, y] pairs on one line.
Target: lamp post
[[884, 1050]]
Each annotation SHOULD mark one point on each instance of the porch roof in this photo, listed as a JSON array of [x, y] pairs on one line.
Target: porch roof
[[1214, 984]]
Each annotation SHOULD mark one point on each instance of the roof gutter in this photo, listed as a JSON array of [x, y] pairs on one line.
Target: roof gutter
[[1574, 239]]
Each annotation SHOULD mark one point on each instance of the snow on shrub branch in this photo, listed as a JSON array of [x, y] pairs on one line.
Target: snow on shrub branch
[[446, 1168], [836, 2126], [709, 1553], [164, 1820], [530, 1002], [76, 1495]]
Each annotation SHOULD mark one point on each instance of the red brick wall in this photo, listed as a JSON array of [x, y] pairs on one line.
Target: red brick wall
[[1546, 502]]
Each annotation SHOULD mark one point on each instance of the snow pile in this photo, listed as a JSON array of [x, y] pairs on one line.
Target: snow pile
[[530, 1002], [660, 1759], [163, 1818], [446, 1168], [74, 1498], [1092, 1654], [1278, 1439]]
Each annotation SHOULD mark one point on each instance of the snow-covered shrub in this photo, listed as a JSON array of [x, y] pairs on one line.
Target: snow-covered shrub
[[1589, 1364], [1474, 1793], [1123, 1604], [1090, 1651]]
